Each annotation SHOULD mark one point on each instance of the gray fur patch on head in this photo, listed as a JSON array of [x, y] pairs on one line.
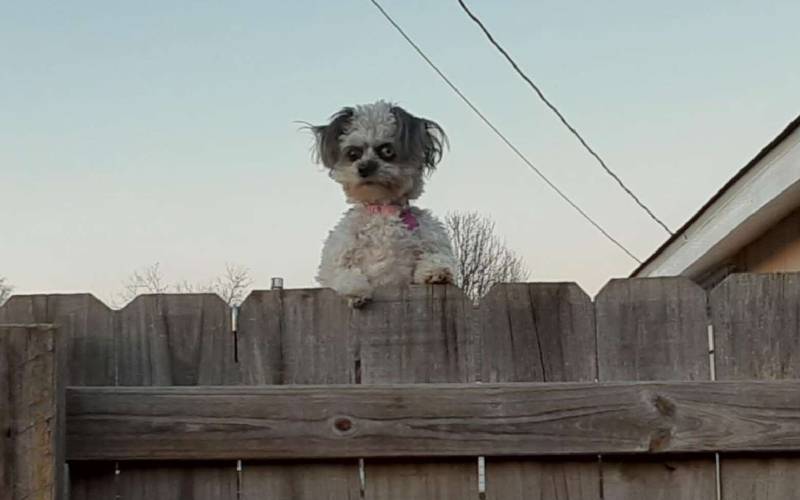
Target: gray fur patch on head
[[418, 143], [418, 139], [328, 150]]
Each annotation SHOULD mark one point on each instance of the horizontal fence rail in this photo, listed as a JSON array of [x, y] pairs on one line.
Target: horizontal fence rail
[[431, 420]]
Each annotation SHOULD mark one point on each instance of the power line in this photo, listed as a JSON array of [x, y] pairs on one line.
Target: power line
[[561, 117], [500, 134]]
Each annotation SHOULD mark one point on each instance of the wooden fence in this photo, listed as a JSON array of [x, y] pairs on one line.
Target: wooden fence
[[300, 397]]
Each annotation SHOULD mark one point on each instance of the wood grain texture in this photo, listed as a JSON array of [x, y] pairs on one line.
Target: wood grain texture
[[167, 340], [31, 414], [420, 335], [543, 480], [541, 332], [318, 481], [436, 420], [679, 479], [537, 332], [175, 481], [760, 478], [654, 329], [295, 337], [85, 325], [87, 331], [757, 336], [176, 339], [456, 479], [757, 326]]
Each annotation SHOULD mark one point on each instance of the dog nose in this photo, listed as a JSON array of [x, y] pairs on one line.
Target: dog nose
[[367, 168]]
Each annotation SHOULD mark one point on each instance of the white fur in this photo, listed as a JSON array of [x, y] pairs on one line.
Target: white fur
[[367, 250]]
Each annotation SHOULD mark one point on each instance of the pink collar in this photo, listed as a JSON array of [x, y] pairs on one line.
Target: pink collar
[[404, 213]]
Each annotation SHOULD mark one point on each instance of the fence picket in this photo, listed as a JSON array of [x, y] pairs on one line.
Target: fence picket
[[756, 322], [176, 339], [539, 332], [297, 337], [86, 328], [31, 413], [654, 329], [420, 335]]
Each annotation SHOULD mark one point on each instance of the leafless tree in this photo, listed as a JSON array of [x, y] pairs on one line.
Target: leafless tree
[[482, 257], [232, 286], [5, 290], [148, 279]]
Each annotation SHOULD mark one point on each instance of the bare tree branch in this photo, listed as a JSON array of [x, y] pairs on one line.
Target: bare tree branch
[[232, 286], [148, 279], [5, 290], [483, 258], [187, 287]]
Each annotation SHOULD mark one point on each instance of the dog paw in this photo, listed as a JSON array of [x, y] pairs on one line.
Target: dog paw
[[357, 302], [441, 276]]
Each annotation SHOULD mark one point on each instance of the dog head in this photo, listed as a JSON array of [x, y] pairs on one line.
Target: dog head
[[379, 152]]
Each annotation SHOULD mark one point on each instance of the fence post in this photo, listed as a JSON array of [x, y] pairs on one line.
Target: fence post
[[31, 413]]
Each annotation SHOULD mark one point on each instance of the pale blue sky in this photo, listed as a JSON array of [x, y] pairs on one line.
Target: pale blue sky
[[140, 132]]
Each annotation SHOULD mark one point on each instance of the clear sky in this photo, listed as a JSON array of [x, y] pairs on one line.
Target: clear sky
[[151, 131]]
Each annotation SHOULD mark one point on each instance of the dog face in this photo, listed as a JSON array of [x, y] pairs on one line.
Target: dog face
[[379, 152]]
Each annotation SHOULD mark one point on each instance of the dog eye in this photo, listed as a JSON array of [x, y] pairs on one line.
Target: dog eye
[[386, 151], [353, 154]]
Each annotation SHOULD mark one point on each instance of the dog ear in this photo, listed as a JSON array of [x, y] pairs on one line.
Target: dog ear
[[419, 138], [327, 149]]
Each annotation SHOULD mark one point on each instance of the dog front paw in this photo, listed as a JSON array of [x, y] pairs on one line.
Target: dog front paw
[[357, 302], [441, 276]]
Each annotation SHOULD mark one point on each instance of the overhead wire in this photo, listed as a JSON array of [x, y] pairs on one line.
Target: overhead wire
[[499, 134], [563, 120]]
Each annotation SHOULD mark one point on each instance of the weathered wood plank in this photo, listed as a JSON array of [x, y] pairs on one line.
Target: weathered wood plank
[[171, 481], [456, 479], [542, 332], [167, 340], [86, 329], [85, 326], [538, 332], [297, 337], [756, 322], [31, 414], [419, 335], [654, 329], [543, 480], [438, 420], [762, 478], [658, 480], [176, 339], [318, 481]]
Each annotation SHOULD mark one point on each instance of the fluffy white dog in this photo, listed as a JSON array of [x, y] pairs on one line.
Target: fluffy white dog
[[380, 154]]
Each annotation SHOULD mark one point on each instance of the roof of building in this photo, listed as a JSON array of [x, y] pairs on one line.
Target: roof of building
[[647, 268]]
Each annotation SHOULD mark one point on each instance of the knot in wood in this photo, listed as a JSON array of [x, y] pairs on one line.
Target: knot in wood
[[343, 424], [664, 406]]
